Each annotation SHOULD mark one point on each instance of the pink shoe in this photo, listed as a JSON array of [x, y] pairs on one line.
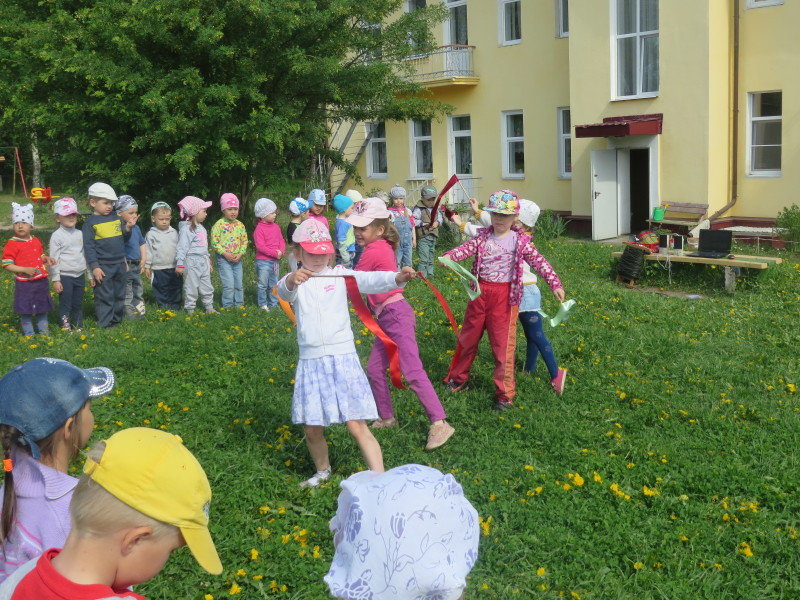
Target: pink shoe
[[558, 381]]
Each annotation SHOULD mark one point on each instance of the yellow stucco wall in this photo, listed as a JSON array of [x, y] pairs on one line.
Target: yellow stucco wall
[[770, 60], [695, 96]]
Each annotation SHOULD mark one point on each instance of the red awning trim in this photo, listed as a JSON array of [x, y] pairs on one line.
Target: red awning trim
[[621, 126]]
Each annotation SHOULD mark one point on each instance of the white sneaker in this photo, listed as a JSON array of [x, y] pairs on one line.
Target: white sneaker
[[140, 308], [265, 308], [316, 479]]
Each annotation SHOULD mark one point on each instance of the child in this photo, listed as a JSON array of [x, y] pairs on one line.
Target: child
[[406, 534], [355, 196], [403, 221], [104, 237], [299, 210], [270, 247], [316, 201], [531, 304], [229, 241], [142, 496], [45, 419], [68, 271], [330, 384], [135, 258], [191, 255], [499, 252], [426, 238], [24, 256], [394, 314], [162, 245], [345, 240]]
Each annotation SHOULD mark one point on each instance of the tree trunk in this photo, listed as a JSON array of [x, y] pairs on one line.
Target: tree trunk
[[37, 162]]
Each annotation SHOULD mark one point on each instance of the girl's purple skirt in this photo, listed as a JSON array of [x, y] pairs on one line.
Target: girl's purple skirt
[[32, 297]]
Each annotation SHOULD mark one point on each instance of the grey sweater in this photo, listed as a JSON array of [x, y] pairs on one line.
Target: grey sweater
[[161, 248], [66, 247], [191, 243]]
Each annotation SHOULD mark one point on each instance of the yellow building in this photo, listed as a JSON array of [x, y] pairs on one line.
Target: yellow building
[[540, 89]]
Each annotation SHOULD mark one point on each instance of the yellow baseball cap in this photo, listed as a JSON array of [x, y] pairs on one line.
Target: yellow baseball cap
[[152, 471]]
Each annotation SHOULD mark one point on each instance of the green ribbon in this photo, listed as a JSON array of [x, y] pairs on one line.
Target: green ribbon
[[466, 278], [564, 311]]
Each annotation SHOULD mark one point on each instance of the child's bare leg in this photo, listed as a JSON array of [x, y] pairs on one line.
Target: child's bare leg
[[317, 446], [370, 448]]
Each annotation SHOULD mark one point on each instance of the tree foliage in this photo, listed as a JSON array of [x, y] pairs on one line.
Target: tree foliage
[[168, 97]]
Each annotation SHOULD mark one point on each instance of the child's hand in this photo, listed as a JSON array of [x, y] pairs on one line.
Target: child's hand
[[473, 204], [300, 276], [131, 221], [91, 282], [147, 273], [435, 223], [406, 274], [559, 293], [278, 253], [98, 274], [456, 218], [58, 287], [229, 257], [29, 271], [48, 261], [179, 271]]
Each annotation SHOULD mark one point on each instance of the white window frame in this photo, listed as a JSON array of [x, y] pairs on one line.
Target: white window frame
[[452, 135], [506, 140], [762, 3], [413, 150], [501, 22], [760, 173], [640, 35], [407, 6], [371, 173], [562, 143], [446, 36], [561, 5]]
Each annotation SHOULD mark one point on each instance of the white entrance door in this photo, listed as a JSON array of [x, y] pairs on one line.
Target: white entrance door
[[604, 194]]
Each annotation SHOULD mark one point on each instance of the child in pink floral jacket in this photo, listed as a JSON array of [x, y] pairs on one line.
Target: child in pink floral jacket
[[499, 251]]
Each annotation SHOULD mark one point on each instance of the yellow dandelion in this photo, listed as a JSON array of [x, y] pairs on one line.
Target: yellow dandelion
[[541, 571], [235, 589]]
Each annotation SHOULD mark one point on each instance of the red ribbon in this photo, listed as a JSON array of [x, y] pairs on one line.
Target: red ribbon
[[435, 208], [445, 306], [369, 321]]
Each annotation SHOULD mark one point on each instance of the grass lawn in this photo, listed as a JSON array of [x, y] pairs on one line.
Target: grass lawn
[[669, 469]]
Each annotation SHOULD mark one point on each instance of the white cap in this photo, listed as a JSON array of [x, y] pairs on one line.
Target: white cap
[[264, 207], [528, 212], [102, 190], [354, 195]]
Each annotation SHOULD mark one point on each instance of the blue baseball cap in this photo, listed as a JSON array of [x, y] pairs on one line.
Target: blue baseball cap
[[316, 196], [38, 396], [341, 203]]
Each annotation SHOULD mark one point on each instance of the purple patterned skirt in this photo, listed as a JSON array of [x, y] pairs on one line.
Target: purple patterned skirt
[[32, 297]]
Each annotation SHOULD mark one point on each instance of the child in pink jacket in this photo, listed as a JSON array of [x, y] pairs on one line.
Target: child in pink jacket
[[270, 247]]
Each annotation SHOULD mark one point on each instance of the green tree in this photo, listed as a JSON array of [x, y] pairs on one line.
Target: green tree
[[168, 97]]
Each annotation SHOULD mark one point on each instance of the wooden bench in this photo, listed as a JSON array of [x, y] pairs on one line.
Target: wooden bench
[[686, 214], [732, 266]]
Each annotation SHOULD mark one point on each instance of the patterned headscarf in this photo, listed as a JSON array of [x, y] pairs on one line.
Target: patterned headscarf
[[22, 213]]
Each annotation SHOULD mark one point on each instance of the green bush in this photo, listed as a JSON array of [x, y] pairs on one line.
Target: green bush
[[550, 226], [787, 225]]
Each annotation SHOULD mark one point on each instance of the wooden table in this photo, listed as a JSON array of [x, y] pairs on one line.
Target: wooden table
[[732, 266]]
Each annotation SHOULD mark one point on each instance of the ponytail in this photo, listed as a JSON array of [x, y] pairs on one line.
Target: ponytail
[[7, 436], [390, 233]]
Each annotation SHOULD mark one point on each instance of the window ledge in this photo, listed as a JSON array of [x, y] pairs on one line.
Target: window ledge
[[511, 42], [418, 176], [639, 97], [563, 177], [764, 174], [515, 176], [378, 176]]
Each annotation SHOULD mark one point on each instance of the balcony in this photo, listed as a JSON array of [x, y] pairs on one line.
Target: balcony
[[449, 65]]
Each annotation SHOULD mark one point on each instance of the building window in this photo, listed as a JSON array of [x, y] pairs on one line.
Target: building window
[[456, 25], [636, 47], [421, 149], [564, 143], [415, 4], [513, 145], [462, 144], [376, 151], [510, 22], [761, 3], [562, 18], [764, 133]]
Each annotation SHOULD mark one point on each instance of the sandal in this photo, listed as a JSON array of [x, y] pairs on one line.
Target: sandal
[[384, 423]]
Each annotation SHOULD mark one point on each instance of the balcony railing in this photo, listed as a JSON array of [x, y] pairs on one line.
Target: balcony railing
[[449, 65]]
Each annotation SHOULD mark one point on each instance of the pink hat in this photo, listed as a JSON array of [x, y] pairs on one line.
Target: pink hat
[[65, 207], [191, 205], [366, 211], [313, 237], [228, 200]]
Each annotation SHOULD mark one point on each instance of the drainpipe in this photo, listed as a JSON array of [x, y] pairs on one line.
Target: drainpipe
[[735, 129]]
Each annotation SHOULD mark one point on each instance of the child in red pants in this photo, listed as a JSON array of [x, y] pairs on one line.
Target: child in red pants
[[499, 251]]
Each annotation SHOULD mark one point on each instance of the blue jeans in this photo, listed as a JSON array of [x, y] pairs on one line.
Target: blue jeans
[[537, 343], [230, 274], [268, 272]]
